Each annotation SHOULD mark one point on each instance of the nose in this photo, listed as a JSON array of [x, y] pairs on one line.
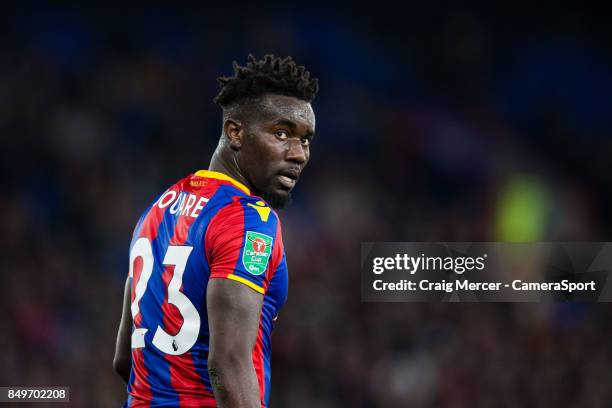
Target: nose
[[296, 152]]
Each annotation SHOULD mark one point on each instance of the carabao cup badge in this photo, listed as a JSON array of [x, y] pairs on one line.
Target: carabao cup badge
[[256, 252]]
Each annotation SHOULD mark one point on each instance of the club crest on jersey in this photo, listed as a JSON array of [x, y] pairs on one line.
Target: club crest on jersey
[[256, 252]]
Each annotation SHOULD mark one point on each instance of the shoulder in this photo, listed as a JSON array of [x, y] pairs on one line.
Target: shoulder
[[250, 210], [243, 242], [241, 216]]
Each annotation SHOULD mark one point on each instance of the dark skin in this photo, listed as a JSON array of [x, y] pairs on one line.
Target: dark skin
[[264, 145], [122, 362]]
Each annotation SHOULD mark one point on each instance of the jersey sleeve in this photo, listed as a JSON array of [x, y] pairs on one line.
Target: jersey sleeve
[[244, 243]]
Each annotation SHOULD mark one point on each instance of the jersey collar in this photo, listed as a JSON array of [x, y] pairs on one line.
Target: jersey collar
[[224, 177]]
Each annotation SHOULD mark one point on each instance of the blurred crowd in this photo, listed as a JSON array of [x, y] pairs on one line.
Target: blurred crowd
[[464, 126]]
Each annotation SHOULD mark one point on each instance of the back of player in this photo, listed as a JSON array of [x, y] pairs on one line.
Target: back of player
[[205, 226]]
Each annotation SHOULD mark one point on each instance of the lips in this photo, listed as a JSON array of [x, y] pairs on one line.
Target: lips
[[288, 177], [286, 182]]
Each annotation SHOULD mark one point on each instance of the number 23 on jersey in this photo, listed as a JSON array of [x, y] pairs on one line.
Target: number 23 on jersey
[[177, 256]]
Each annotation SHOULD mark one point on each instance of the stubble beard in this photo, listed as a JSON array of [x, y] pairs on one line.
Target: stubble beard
[[275, 200]]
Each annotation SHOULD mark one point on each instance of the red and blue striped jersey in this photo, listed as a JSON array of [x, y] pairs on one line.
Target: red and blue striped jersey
[[207, 225]]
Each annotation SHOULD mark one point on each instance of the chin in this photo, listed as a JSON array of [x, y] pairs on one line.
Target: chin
[[277, 199]]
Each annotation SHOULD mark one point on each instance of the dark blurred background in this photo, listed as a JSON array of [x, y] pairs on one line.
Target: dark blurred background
[[433, 123]]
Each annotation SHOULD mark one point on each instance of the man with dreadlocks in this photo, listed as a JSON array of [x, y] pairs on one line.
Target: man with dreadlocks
[[207, 273]]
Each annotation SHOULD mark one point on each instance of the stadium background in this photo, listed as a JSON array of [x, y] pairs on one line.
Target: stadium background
[[442, 125]]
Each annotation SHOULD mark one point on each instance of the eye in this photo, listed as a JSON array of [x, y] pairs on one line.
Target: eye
[[282, 134], [305, 142]]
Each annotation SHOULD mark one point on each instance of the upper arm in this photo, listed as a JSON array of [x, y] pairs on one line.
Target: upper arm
[[242, 246], [233, 318]]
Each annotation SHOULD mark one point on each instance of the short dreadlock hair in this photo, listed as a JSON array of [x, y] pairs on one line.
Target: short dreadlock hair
[[272, 74]]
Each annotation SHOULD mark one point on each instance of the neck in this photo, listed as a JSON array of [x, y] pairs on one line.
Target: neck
[[225, 162]]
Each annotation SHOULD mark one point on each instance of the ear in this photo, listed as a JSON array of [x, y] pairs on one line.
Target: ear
[[234, 133]]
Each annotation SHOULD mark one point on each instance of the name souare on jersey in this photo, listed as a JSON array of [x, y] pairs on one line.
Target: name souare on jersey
[[207, 225]]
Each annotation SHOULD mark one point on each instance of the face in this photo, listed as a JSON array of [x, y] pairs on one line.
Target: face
[[275, 146]]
